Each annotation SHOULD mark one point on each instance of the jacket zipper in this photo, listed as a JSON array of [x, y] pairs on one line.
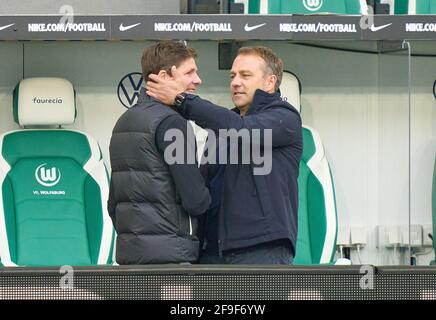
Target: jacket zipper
[[190, 225]]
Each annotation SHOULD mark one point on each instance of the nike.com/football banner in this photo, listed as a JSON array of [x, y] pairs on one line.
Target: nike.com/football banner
[[220, 27]]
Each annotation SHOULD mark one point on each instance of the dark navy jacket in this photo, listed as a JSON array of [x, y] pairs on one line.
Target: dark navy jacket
[[208, 224], [256, 209]]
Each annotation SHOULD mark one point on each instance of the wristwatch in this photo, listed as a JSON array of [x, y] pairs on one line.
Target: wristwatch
[[180, 98]]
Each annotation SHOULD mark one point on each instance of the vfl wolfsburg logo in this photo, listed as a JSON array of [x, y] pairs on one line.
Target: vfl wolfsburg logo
[[47, 177], [312, 5]]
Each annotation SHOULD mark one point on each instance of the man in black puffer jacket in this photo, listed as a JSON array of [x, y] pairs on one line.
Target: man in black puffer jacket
[[153, 204]]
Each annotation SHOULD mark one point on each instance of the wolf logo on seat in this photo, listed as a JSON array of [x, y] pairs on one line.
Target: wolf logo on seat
[[47, 177], [312, 5]]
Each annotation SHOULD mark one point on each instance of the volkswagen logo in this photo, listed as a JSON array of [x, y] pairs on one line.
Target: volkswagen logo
[[128, 89], [434, 89], [312, 5]]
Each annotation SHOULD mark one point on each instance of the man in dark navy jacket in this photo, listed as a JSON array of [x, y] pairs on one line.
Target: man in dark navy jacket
[[257, 212]]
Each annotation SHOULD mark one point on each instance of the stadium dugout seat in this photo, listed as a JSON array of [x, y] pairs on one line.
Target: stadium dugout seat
[[395, 6], [401, 6], [54, 183], [422, 7], [356, 7], [317, 218]]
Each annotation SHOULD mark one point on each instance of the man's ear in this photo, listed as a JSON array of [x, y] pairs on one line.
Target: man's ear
[[271, 83], [163, 74]]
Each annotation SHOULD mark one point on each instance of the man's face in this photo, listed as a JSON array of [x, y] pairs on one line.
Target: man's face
[[248, 75], [188, 76]]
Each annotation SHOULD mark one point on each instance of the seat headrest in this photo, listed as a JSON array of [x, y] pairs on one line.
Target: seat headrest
[[44, 101], [290, 89]]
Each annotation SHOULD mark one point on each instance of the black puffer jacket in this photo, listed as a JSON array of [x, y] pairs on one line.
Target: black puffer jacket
[[151, 224]]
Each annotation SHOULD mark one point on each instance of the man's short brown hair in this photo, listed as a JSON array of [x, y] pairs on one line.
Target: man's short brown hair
[[163, 55], [274, 64]]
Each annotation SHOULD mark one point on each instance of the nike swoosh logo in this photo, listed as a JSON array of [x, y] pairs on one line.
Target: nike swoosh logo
[[247, 28], [374, 28], [4, 27], [124, 28]]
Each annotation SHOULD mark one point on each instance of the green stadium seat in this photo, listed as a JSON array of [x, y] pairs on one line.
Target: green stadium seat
[[54, 183], [397, 6], [401, 6], [422, 7], [317, 217], [357, 7]]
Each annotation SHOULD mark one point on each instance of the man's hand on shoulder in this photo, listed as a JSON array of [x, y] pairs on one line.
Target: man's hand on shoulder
[[165, 89]]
